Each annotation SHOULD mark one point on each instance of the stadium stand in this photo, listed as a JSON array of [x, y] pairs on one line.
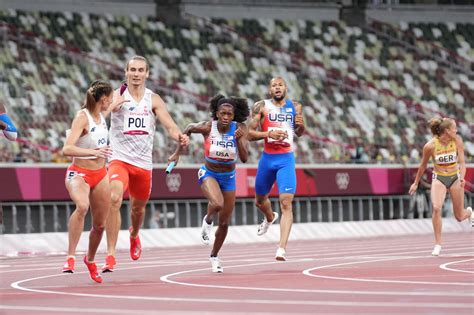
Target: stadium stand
[[367, 91]]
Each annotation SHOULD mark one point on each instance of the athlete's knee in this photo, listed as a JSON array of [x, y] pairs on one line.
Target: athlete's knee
[[82, 207], [459, 215], [115, 199], [286, 204], [436, 210], [98, 228], [215, 205], [260, 202]]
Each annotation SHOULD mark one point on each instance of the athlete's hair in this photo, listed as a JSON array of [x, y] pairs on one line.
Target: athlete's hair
[[438, 125], [240, 105], [96, 90], [138, 58]]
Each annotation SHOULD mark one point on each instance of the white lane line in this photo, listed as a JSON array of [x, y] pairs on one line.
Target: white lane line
[[309, 272], [337, 303], [63, 310], [445, 266]]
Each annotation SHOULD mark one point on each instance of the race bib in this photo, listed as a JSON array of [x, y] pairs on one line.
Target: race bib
[[285, 142], [71, 174], [135, 123]]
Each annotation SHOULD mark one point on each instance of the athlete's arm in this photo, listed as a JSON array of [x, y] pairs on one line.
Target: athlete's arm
[[79, 125], [255, 121], [461, 160], [242, 142], [116, 104], [428, 150], [161, 112], [203, 127], [299, 121]]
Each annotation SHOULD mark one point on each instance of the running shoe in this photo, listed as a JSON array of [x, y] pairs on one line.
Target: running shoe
[[472, 216], [263, 228], [216, 265], [69, 265], [109, 264], [93, 270], [436, 250], [135, 246], [206, 231], [280, 254]]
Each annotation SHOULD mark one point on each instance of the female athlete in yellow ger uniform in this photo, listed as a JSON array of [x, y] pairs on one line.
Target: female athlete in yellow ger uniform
[[447, 151]]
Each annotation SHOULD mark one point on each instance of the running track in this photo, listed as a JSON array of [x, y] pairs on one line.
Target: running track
[[395, 275]]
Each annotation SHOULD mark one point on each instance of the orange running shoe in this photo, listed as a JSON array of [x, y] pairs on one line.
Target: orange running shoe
[[69, 265], [109, 264], [135, 246], [93, 271]]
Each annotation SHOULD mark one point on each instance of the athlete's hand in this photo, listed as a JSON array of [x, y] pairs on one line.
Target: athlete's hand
[[103, 152], [173, 158], [299, 120], [239, 132], [117, 104], [413, 189], [183, 140], [276, 134]]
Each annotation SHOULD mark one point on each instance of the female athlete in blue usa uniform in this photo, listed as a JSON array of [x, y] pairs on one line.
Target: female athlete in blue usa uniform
[[225, 139]]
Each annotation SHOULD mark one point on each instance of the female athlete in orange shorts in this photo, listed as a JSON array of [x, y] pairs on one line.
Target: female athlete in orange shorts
[[86, 178]]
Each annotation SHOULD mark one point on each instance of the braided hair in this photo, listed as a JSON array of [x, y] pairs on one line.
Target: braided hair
[[240, 105], [96, 90]]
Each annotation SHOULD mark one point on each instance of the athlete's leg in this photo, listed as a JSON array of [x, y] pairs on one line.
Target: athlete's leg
[[457, 196], [438, 194], [79, 192], [114, 220], [211, 190], [286, 221], [100, 207], [224, 220], [137, 215], [264, 181]]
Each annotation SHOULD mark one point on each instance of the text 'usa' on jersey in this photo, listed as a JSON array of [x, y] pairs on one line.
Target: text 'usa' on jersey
[[280, 118]]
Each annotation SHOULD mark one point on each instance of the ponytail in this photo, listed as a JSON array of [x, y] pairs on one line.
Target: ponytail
[[438, 125], [94, 93]]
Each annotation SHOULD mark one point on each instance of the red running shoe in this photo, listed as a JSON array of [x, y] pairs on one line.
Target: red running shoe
[[135, 246], [109, 264], [69, 265], [93, 271]]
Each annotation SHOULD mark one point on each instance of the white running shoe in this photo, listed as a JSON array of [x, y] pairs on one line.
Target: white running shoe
[[472, 216], [436, 250], [280, 254], [206, 230], [216, 264], [263, 227]]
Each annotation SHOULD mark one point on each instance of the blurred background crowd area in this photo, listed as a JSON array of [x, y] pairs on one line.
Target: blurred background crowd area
[[367, 86]]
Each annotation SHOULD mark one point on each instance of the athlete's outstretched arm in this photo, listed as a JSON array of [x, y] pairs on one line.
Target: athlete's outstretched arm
[[299, 121], [117, 102], [203, 127], [427, 152], [161, 112]]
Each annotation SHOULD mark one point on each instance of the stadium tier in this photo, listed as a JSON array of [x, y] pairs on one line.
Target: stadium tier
[[367, 92]]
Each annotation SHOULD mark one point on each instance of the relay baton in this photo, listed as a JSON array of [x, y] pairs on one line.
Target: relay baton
[[170, 167]]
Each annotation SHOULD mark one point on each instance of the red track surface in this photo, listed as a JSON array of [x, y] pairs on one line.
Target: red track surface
[[353, 276]]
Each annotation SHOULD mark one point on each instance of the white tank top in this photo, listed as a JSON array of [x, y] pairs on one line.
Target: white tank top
[[95, 138], [132, 128]]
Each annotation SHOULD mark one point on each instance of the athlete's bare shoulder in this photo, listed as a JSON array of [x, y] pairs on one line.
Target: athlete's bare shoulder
[[257, 108]]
